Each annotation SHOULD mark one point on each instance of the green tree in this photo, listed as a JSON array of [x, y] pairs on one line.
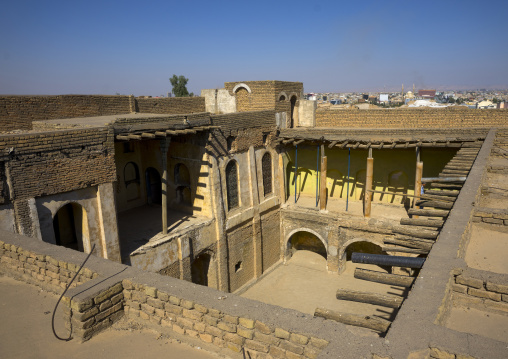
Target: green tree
[[179, 84]]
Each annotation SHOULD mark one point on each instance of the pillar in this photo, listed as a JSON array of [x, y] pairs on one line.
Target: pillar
[[322, 189], [368, 185], [418, 181], [109, 240], [164, 152]]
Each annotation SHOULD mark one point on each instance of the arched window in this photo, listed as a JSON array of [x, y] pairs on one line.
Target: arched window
[[232, 185], [266, 166]]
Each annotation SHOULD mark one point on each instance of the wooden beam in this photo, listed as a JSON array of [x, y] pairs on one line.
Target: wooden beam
[[385, 300], [170, 132], [428, 212], [385, 278], [123, 137], [134, 137], [286, 142], [147, 135], [374, 323], [405, 250], [415, 232], [331, 145], [160, 134], [420, 222], [409, 243], [296, 143]]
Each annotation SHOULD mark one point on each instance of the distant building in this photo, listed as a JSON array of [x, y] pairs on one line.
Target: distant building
[[427, 94], [383, 97], [485, 104]]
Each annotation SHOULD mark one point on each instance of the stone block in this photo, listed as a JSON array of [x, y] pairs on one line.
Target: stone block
[[210, 320], [246, 323], [230, 319], [214, 313], [117, 288], [117, 298], [504, 297], [166, 323], [469, 281], [227, 327], [148, 309], [160, 313], [311, 352], [178, 329], [440, 354], [484, 294], [234, 338], [266, 338], [281, 333], [234, 347], [291, 347], [151, 292], [201, 308], [187, 304], [192, 314], [127, 284], [154, 302], [216, 332], [459, 288], [207, 338], [155, 320], [246, 333], [218, 342], [318, 343], [185, 323], [499, 288], [105, 305], [170, 308], [290, 355], [500, 306], [174, 300], [277, 352], [299, 339], [83, 305], [163, 296], [256, 345]]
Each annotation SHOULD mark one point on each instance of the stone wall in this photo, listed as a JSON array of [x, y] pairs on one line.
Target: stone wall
[[411, 118], [491, 216], [170, 105]]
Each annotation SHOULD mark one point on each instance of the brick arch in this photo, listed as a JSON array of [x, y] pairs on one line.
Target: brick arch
[[302, 229], [343, 247], [242, 85], [282, 94]]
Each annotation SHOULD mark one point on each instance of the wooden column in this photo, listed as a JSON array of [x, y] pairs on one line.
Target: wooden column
[[368, 185], [282, 180], [164, 152], [322, 189], [418, 182]]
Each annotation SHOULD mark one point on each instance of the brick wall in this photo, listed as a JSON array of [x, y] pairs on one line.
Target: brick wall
[[18, 112], [412, 118], [48, 272], [60, 161], [491, 216], [270, 229], [171, 105], [264, 95], [247, 129]]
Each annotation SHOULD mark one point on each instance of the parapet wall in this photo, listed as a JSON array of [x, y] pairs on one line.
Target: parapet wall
[[18, 112], [412, 118]]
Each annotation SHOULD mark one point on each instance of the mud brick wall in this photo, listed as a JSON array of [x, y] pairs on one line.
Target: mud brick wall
[[491, 216], [46, 271], [96, 311], [270, 230], [246, 128], [489, 290], [264, 95], [412, 118], [171, 105], [3, 184], [18, 112], [211, 325], [60, 161], [241, 256]]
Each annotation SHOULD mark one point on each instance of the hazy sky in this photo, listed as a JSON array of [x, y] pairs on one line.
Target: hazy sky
[[133, 47]]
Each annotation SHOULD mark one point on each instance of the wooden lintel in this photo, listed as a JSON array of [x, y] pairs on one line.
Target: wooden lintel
[[170, 132], [134, 137], [123, 137], [296, 143], [331, 145], [343, 144], [356, 146], [147, 135], [287, 141], [160, 134]]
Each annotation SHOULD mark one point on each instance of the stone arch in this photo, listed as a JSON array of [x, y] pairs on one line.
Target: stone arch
[[70, 227], [204, 269], [282, 96], [232, 185], [241, 85], [343, 251], [182, 181], [287, 242]]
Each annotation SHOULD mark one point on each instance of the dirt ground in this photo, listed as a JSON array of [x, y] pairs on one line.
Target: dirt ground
[[487, 250], [25, 332], [474, 321], [304, 284]]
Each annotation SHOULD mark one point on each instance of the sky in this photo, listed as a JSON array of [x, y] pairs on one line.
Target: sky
[[134, 47]]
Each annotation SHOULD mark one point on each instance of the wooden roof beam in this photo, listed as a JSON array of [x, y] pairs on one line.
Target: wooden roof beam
[[296, 143], [331, 145]]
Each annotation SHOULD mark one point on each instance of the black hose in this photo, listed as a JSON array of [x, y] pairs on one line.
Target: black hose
[[385, 260], [59, 299]]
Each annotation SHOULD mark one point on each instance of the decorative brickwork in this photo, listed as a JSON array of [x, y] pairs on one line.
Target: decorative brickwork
[[411, 118]]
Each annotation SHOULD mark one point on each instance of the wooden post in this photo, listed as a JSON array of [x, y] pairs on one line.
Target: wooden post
[[164, 151], [282, 180], [322, 190], [368, 185], [418, 182]]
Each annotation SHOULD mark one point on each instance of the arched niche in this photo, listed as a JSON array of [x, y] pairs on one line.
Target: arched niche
[[305, 239], [153, 186], [233, 192], [70, 226], [361, 245]]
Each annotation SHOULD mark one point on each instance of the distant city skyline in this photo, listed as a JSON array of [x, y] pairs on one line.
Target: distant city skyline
[[128, 47]]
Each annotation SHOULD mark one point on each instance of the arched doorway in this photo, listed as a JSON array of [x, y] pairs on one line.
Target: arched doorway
[[203, 270], [70, 226], [308, 241], [359, 246], [153, 186]]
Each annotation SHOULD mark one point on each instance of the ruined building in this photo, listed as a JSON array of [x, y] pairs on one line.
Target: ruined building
[[195, 201]]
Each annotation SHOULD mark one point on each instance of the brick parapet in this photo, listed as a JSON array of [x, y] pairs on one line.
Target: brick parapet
[[412, 118]]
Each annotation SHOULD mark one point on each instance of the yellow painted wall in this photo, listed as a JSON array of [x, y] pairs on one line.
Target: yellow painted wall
[[394, 171]]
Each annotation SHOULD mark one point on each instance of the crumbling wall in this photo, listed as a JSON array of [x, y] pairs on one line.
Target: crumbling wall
[[411, 118]]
